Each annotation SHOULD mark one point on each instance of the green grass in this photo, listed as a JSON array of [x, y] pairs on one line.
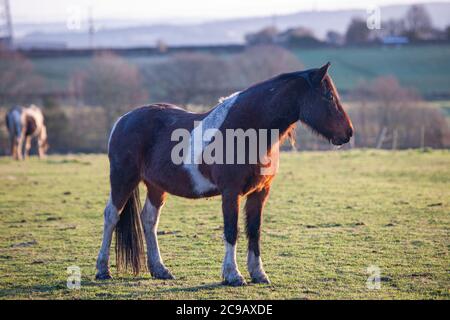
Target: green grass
[[330, 216]]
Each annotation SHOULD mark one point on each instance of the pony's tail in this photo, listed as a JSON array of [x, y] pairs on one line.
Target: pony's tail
[[130, 237]]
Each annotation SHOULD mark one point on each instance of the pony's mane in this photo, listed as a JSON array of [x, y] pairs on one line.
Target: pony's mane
[[289, 134], [330, 84], [222, 99]]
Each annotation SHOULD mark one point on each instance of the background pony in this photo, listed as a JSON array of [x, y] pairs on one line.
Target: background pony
[[23, 125]]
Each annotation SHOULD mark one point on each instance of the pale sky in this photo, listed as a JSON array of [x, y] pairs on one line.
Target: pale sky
[[170, 10]]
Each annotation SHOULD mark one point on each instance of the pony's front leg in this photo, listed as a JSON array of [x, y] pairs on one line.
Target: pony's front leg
[[13, 141], [230, 207], [19, 148], [150, 218], [27, 147], [253, 210], [42, 143], [111, 217]]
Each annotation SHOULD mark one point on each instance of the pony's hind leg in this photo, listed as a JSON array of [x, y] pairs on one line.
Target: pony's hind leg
[[253, 210], [124, 181], [150, 218], [111, 217]]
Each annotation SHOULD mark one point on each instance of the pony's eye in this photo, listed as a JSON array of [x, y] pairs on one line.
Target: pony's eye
[[330, 96]]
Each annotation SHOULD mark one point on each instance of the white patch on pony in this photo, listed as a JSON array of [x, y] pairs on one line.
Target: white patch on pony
[[254, 264], [111, 217], [150, 218], [196, 144], [229, 262]]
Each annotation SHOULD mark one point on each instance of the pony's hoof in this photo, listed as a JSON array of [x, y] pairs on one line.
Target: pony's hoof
[[103, 276], [263, 279], [162, 274], [235, 282]]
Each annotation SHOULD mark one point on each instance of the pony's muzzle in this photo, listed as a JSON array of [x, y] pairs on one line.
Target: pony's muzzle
[[339, 140]]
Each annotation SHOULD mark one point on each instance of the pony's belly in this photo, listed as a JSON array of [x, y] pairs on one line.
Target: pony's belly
[[186, 191], [183, 181], [194, 195]]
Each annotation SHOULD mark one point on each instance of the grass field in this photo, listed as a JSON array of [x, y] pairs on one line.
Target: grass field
[[330, 216], [426, 68]]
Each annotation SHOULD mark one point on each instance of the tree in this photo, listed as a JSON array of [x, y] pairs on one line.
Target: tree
[[112, 83], [201, 79], [357, 32], [334, 38], [298, 37], [189, 78], [388, 114], [260, 63], [161, 46], [18, 80], [395, 27], [264, 36], [418, 21]]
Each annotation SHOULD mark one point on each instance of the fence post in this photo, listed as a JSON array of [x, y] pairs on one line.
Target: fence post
[[394, 139], [352, 142], [422, 137], [381, 137]]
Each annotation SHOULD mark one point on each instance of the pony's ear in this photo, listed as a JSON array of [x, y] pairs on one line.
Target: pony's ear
[[318, 75]]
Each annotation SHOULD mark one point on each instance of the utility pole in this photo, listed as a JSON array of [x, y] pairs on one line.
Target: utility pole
[[91, 28], [6, 31], [274, 20]]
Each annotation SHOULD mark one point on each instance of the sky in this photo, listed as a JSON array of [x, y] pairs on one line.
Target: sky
[[176, 11]]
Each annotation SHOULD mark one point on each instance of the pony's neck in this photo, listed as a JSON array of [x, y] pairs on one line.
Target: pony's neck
[[276, 103]]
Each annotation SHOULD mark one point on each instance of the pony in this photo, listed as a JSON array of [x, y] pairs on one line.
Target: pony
[[23, 125], [140, 149]]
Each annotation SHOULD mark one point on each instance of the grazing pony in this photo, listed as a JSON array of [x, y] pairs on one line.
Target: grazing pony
[[25, 124], [141, 148]]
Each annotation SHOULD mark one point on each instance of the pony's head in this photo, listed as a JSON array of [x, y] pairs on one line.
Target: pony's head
[[322, 110]]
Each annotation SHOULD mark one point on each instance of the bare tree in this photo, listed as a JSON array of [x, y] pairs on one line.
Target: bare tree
[[200, 79], [113, 83], [189, 78], [395, 27], [357, 32], [418, 21], [265, 36], [335, 38], [18, 81], [259, 63], [388, 115]]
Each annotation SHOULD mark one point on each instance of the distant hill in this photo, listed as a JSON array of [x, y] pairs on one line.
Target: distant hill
[[124, 34]]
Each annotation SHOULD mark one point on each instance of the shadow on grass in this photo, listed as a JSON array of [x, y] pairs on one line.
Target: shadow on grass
[[60, 287], [68, 161], [27, 290], [208, 286]]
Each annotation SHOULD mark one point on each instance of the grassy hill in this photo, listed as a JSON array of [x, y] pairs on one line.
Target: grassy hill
[[330, 216], [426, 68]]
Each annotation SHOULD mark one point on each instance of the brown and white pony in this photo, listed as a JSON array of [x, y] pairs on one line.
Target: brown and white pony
[[23, 125], [140, 149]]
